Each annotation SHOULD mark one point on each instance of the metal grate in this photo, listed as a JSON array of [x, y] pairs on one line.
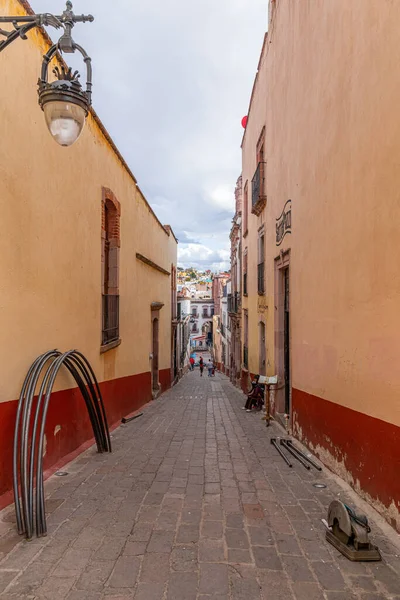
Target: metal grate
[[260, 278], [110, 330], [245, 357]]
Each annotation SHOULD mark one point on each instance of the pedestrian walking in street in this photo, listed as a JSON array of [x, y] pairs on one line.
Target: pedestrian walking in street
[[201, 363], [210, 368], [191, 363]]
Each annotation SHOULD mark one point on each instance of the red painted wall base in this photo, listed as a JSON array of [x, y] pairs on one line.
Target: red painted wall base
[[367, 447], [68, 426]]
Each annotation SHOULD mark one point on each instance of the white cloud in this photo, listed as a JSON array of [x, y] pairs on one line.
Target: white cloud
[[223, 197], [172, 81]]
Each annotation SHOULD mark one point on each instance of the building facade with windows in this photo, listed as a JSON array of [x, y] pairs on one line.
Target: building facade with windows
[[222, 333], [201, 316], [320, 184], [183, 332], [234, 299], [84, 262], [252, 230]]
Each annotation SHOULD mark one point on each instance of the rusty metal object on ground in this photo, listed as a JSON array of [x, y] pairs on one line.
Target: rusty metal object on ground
[[348, 533]]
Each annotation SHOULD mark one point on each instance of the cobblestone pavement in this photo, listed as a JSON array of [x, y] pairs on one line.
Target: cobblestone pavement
[[193, 503]]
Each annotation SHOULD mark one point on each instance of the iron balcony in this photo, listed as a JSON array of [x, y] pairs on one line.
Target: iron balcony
[[258, 195]]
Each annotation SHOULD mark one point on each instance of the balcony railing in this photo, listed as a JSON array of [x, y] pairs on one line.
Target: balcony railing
[[110, 327], [258, 195], [245, 357], [245, 284], [260, 278]]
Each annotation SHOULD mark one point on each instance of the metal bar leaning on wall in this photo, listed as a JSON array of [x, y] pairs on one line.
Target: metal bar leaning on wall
[[28, 448]]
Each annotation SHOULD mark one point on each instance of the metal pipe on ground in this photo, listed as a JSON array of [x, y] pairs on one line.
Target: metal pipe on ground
[[285, 458], [293, 453], [124, 420], [307, 458]]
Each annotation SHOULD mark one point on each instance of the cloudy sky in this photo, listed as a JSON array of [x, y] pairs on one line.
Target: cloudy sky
[[172, 81]]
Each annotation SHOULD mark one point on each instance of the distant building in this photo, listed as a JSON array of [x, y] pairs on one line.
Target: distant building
[[201, 315], [222, 334], [235, 295]]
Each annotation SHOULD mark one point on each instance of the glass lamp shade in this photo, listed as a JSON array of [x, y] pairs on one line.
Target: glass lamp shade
[[64, 120]]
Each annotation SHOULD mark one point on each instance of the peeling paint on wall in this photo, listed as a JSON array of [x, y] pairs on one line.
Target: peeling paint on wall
[[359, 449], [57, 428]]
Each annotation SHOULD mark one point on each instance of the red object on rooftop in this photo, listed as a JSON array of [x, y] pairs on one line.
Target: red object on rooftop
[[244, 122]]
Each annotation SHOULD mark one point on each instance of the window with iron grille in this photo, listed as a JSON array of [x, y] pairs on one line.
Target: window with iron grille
[[245, 273], [110, 331], [110, 267], [260, 266], [260, 278]]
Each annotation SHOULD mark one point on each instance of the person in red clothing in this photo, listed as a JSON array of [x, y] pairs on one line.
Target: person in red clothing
[[191, 363], [201, 362]]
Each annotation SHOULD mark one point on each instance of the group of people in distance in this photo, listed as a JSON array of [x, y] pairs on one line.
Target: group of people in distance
[[255, 397], [210, 366]]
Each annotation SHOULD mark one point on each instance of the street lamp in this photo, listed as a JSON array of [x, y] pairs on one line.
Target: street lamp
[[64, 102]]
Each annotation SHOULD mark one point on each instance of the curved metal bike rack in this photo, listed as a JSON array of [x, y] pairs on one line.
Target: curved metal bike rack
[[30, 427]]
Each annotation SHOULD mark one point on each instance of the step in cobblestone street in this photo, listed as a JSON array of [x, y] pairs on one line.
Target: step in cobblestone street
[[193, 503]]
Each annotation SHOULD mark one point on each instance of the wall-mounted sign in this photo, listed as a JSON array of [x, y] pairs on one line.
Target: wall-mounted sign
[[284, 223]]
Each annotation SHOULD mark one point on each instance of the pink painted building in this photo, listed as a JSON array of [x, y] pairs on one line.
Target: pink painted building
[[320, 244]]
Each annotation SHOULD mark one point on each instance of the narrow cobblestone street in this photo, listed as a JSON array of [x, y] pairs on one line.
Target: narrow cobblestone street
[[193, 503]]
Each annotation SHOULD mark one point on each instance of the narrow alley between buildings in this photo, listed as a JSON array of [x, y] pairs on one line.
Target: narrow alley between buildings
[[193, 503]]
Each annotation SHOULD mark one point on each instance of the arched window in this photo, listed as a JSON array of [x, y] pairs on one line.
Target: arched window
[[110, 238]]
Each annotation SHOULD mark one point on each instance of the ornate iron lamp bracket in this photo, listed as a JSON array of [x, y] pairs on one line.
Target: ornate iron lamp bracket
[[23, 24]]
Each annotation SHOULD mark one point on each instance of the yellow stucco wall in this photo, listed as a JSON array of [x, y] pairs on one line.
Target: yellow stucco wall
[[50, 246], [328, 96]]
